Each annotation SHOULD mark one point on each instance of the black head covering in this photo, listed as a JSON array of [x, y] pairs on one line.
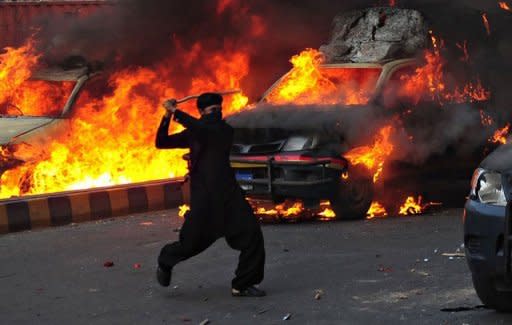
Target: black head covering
[[208, 99]]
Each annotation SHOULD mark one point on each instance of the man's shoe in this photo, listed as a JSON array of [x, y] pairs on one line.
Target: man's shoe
[[163, 277], [252, 291]]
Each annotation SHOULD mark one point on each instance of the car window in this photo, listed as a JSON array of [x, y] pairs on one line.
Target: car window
[[327, 85], [35, 98]]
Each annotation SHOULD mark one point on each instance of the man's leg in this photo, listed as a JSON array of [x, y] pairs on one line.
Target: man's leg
[[251, 263], [192, 241]]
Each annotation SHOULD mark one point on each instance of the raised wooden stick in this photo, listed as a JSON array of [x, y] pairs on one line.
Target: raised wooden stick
[[226, 92]]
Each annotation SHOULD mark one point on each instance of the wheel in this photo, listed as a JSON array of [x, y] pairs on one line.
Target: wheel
[[492, 298], [353, 197]]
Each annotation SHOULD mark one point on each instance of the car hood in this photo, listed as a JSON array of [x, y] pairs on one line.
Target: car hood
[[326, 118], [11, 127], [499, 160]]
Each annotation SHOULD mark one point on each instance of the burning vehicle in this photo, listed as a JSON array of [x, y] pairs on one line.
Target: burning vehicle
[[31, 117], [487, 230], [307, 139]]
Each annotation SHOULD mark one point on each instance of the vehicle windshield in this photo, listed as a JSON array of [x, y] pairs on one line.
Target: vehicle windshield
[[326, 85], [35, 98]]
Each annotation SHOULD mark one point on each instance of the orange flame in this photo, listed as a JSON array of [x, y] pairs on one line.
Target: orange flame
[[183, 210], [282, 210], [295, 210], [110, 140], [21, 96], [487, 26], [309, 83], [376, 210], [411, 206], [373, 157], [16, 67], [503, 5], [501, 135], [327, 213], [430, 80]]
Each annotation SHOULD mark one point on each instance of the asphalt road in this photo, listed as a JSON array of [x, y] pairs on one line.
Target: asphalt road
[[387, 271]]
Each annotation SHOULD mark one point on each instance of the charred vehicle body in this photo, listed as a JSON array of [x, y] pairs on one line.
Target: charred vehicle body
[[34, 117], [488, 229], [302, 149]]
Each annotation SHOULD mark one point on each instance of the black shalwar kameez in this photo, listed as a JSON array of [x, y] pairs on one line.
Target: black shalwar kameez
[[218, 206]]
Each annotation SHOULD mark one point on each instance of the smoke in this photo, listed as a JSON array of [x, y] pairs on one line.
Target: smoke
[[183, 34], [335, 123]]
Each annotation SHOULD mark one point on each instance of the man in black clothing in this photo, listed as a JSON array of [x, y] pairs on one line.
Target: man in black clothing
[[218, 206]]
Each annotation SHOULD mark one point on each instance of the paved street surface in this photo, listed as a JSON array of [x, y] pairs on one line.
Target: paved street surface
[[374, 272]]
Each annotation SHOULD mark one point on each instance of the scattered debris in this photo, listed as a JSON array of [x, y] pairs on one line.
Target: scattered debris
[[318, 294], [185, 319], [457, 254], [262, 311], [108, 264], [287, 317], [461, 309], [426, 260], [385, 269], [286, 250], [205, 322], [93, 290], [176, 287], [205, 299], [146, 223]]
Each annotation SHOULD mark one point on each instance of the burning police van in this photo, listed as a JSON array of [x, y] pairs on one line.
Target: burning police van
[[373, 104]]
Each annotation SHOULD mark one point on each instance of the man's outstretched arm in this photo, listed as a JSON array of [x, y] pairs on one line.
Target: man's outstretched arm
[[166, 141]]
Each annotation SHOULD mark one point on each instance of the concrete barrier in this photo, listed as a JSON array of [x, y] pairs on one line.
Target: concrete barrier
[[31, 212]]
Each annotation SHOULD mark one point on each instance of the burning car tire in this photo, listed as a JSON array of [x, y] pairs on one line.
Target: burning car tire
[[492, 298], [354, 197]]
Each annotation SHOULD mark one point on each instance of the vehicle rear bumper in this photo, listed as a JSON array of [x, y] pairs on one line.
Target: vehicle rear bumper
[[484, 231]]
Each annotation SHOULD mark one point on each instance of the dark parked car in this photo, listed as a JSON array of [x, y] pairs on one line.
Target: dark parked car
[[487, 229]]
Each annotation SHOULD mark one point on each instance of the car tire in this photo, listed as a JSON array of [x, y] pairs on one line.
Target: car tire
[[486, 290], [353, 197]]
